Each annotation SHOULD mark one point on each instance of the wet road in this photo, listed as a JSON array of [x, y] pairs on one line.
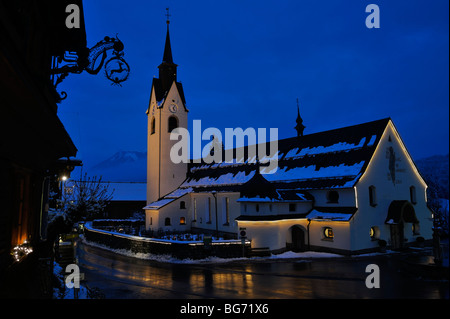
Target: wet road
[[123, 277]]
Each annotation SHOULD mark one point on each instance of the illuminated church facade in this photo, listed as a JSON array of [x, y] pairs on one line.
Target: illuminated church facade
[[348, 190]]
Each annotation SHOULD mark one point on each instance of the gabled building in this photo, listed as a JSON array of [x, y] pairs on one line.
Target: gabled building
[[346, 190]]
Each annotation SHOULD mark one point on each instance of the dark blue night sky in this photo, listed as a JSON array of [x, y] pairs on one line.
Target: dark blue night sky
[[244, 64]]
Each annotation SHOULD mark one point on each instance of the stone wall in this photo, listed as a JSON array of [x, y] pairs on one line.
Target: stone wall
[[177, 249]]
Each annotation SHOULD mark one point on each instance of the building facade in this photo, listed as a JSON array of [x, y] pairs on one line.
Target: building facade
[[348, 190], [34, 145]]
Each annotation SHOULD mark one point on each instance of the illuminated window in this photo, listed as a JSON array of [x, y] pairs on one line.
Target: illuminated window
[[374, 232], [332, 197], [372, 196], [182, 221], [416, 229], [328, 233], [153, 125], [173, 123], [412, 195]]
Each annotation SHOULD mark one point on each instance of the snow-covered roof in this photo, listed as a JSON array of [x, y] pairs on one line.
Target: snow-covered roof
[[284, 195], [179, 192], [324, 160], [316, 215], [159, 203], [330, 159]]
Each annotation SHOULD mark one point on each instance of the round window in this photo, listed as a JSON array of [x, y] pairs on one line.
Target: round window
[[374, 232], [328, 232]]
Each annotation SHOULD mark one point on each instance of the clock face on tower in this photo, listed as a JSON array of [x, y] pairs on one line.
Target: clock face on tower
[[173, 108]]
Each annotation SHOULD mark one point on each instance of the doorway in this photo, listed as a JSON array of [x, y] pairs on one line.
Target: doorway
[[397, 236], [298, 239], [399, 213]]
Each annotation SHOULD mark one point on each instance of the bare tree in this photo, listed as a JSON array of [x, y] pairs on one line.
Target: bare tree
[[89, 199]]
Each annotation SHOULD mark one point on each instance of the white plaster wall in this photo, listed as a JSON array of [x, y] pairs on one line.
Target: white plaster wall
[[172, 175], [346, 197], [378, 174]]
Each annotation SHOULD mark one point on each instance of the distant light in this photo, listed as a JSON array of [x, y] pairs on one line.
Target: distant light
[[64, 178]]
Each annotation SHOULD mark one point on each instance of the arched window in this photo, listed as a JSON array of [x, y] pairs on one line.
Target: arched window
[[153, 126], [182, 221], [412, 194], [182, 205], [167, 221], [416, 228], [372, 196], [173, 123]]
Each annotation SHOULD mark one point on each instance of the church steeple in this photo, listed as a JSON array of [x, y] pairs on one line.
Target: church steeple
[[166, 112], [167, 69], [299, 127], [167, 57]]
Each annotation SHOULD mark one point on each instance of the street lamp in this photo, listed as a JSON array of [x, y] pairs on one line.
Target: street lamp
[[215, 202]]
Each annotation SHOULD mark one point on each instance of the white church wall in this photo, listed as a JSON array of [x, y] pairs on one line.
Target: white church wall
[[275, 235], [322, 198], [387, 189], [206, 201], [152, 151], [172, 174], [340, 240], [255, 208], [179, 216], [151, 219], [267, 234], [163, 176]]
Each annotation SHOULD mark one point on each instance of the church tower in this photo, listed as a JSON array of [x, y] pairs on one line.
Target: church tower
[[166, 111]]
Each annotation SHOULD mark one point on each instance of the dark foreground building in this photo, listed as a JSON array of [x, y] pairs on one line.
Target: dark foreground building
[[33, 141]]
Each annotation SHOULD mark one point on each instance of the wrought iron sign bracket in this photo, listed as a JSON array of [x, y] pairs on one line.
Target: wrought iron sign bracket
[[117, 69]]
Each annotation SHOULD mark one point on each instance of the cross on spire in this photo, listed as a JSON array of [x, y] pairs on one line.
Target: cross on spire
[[168, 16]]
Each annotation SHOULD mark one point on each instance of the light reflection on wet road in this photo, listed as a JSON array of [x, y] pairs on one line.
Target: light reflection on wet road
[[124, 277]]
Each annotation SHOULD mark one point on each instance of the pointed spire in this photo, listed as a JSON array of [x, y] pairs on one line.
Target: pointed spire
[[299, 127], [167, 57], [167, 69]]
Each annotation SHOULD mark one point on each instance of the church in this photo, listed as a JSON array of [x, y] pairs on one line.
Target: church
[[349, 190]]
